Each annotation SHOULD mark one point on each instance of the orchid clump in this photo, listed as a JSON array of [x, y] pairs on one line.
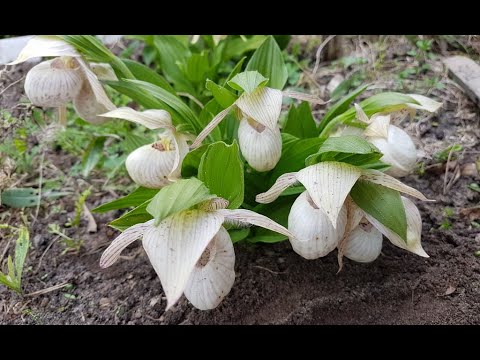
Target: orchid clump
[[249, 174]]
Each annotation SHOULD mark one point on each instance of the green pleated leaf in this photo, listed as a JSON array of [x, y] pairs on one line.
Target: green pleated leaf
[[268, 61], [221, 170], [222, 95], [239, 46], [135, 198], [383, 204], [300, 122], [144, 73], [176, 197], [349, 149], [173, 54], [132, 217], [247, 81]]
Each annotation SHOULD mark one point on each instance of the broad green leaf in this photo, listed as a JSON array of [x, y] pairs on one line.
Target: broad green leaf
[[176, 197], [238, 234], [144, 73], [92, 155], [349, 149], [20, 197], [341, 106], [238, 46], [196, 67], [294, 155], [223, 96], [221, 170], [135, 198], [192, 160], [383, 204], [181, 110], [247, 81], [268, 61], [300, 122], [132, 217], [173, 52], [237, 69], [21, 250]]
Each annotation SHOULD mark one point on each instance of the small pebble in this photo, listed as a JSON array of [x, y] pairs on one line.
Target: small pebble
[[104, 302]]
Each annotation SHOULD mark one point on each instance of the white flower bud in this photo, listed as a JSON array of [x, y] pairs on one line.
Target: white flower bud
[[150, 165], [314, 234], [363, 244], [398, 151], [53, 83], [261, 146]]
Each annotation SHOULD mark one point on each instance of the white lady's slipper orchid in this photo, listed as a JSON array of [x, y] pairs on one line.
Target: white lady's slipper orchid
[[397, 146], [158, 164], [314, 234], [191, 252], [258, 135], [260, 146], [364, 243], [328, 185], [54, 83]]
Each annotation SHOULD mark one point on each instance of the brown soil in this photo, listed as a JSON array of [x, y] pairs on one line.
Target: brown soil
[[273, 284]]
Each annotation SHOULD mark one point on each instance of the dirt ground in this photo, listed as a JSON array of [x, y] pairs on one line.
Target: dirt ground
[[273, 284]]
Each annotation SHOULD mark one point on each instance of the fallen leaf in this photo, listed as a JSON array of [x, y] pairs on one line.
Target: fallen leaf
[[469, 169], [450, 290], [472, 213]]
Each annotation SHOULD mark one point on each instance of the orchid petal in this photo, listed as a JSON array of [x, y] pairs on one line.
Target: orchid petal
[[176, 245], [45, 45], [112, 253], [263, 105], [377, 177], [283, 182], [329, 183], [213, 276], [151, 119], [244, 216]]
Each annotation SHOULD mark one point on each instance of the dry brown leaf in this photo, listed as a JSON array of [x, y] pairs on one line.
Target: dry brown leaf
[[472, 213], [469, 169]]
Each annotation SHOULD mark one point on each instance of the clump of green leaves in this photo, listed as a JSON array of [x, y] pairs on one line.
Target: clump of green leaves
[[13, 278]]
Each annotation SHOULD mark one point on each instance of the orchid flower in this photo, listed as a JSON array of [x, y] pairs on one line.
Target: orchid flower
[[157, 164], [397, 146], [191, 251], [318, 218], [67, 77], [258, 134], [258, 109]]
